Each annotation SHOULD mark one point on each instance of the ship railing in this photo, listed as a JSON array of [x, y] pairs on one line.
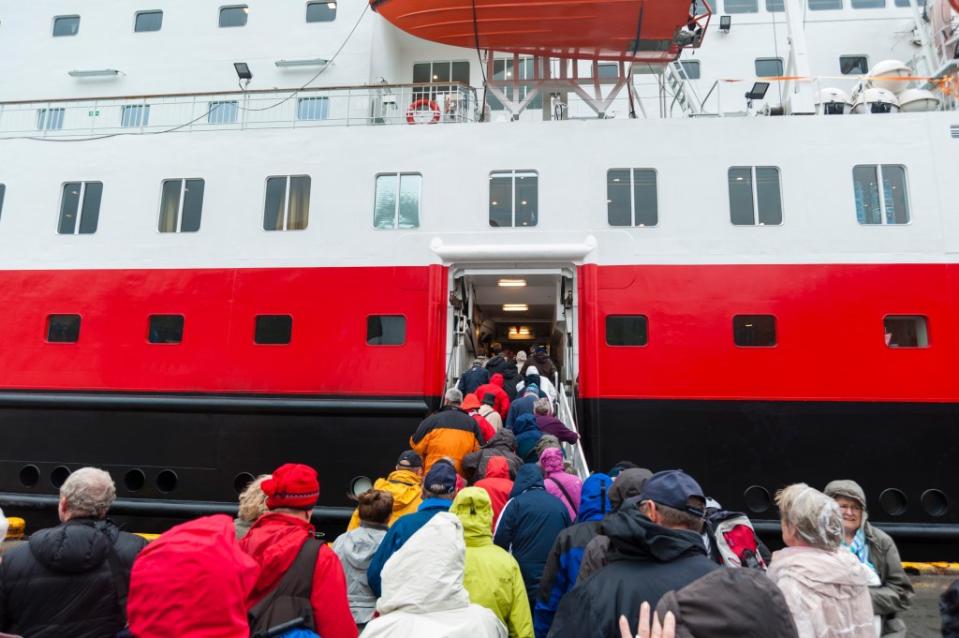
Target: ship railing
[[368, 105], [565, 413]]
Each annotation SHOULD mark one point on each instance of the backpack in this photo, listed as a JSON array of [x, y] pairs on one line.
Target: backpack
[[287, 610], [733, 541]]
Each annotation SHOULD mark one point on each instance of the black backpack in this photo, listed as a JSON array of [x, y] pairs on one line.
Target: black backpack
[[288, 605]]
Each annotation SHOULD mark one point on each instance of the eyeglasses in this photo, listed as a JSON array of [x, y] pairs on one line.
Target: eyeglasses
[[851, 508]]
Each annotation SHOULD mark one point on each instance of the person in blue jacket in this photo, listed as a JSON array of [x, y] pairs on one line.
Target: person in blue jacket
[[529, 524], [439, 488], [562, 566], [527, 436]]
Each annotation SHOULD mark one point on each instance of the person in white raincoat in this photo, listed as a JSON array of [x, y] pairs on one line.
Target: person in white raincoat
[[423, 593]]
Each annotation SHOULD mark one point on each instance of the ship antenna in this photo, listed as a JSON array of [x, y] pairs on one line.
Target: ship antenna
[[479, 57], [639, 30]]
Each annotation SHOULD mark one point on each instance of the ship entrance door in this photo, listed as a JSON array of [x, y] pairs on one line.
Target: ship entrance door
[[520, 309]]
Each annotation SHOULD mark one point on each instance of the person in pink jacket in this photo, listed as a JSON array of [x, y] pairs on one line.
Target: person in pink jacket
[[559, 483]]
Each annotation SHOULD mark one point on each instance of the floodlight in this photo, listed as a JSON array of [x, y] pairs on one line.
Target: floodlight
[[758, 91], [243, 71], [309, 62], [725, 22], [93, 73]]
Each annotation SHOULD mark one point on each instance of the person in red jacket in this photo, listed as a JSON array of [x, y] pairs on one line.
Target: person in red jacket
[[470, 405], [495, 387], [497, 484], [276, 538]]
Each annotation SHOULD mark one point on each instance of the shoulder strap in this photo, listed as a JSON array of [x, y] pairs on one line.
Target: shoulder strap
[[563, 490], [300, 574], [119, 579], [297, 583]]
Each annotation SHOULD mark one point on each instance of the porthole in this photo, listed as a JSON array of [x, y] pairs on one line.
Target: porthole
[[167, 481], [893, 501], [59, 475], [935, 502], [360, 484], [134, 479], [241, 481], [757, 499], [29, 475]]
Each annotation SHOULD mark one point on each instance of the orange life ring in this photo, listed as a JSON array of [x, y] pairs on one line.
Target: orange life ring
[[415, 106]]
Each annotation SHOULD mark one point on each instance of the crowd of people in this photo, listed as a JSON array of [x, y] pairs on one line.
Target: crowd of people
[[481, 530]]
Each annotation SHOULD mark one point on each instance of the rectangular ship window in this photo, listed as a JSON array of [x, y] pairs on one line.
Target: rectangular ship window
[[165, 329], [148, 21], [385, 330], [66, 25], [234, 16], [324, 11], [627, 330], [892, 207], [80, 201], [397, 200], [287, 203], [775, 6], [135, 115], [742, 6], [691, 69], [754, 331], [273, 329], [905, 3], [503, 70], [513, 198], [222, 112], [868, 4], [312, 108], [906, 331], [769, 67], [181, 205], [853, 65], [755, 197], [824, 5], [631, 197], [63, 328], [50, 119]]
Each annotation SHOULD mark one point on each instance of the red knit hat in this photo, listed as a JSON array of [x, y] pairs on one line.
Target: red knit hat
[[292, 485]]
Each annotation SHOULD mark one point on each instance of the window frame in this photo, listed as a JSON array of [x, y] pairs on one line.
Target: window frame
[[81, 197], [606, 319], [755, 197], [288, 342], [167, 314], [179, 210], [43, 116], [336, 4], [775, 319], [53, 26], [222, 8], [632, 196], [863, 56], [46, 325], [925, 319], [312, 101], [366, 340], [882, 195], [396, 206], [726, 8], [774, 59], [213, 106], [142, 117], [136, 18], [526, 71], [695, 63], [286, 203], [513, 177]]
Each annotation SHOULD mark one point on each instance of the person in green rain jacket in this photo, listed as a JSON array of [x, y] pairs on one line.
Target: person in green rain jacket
[[493, 578]]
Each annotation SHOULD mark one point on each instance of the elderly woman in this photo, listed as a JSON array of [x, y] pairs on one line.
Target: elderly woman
[[252, 506], [825, 587], [876, 550]]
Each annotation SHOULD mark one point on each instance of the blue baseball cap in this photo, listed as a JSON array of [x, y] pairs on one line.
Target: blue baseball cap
[[441, 479], [673, 488]]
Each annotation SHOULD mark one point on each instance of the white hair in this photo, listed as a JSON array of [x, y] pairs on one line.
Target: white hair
[[454, 396], [88, 492], [813, 516], [542, 406]]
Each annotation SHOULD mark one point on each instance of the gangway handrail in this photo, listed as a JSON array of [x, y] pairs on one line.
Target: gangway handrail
[[567, 417]]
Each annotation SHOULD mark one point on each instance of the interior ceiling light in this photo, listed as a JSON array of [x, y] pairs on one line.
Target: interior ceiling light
[[515, 307], [512, 283]]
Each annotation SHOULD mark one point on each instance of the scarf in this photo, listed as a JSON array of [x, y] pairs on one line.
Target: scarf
[[860, 548]]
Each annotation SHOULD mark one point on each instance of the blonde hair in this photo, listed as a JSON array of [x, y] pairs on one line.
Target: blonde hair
[[814, 517], [253, 500]]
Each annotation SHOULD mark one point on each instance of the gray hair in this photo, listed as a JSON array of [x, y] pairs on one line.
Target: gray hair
[[88, 492], [814, 517], [542, 406], [454, 396], [546, 441]]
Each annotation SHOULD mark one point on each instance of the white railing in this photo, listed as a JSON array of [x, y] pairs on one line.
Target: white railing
[[566, 415], [381, 104]]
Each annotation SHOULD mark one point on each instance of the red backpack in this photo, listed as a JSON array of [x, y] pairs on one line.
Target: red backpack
[[733, 541]]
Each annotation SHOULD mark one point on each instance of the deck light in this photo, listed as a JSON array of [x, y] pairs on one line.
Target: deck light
[[94, 73], [243, 71], [758, 91], [725, 23], [309, 62], [511, 283], [515, 307]]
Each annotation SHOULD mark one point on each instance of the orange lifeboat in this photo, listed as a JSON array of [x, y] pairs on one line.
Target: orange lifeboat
[[579, 29]]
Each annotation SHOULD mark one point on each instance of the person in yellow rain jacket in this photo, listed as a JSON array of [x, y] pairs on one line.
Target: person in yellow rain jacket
[[404, 483], [492, 578]]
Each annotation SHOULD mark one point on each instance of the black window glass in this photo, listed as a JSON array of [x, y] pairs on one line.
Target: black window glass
[[166, 329], [234, 16], [501, 199], [741, 210], [66, 25], [192, 205], [63, 328], [627, 330], [618, 202], [273, 329], [69, 205], [148, 21], [90, 212], [320, 11], [769, 196], [906, 332], [888, 205], [853, 65], [71, 209], [385, 330], [754, 330]]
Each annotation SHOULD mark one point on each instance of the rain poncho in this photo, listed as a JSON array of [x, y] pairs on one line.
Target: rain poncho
[[423, 592], [493, 578], [355, 550]]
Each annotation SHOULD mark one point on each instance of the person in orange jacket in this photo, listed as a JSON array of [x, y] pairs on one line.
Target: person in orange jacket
[[449, 432]]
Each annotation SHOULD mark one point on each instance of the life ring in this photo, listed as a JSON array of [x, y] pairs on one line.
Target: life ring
[[417, 105]]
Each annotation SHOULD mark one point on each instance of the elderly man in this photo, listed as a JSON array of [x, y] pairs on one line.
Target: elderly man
[[448, 432], [71, 580]]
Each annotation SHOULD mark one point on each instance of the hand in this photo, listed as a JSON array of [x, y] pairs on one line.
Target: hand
[[666, 630]]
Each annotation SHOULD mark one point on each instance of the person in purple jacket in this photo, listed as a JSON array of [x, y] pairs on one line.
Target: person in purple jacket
[[564, 486], [549, 424]]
